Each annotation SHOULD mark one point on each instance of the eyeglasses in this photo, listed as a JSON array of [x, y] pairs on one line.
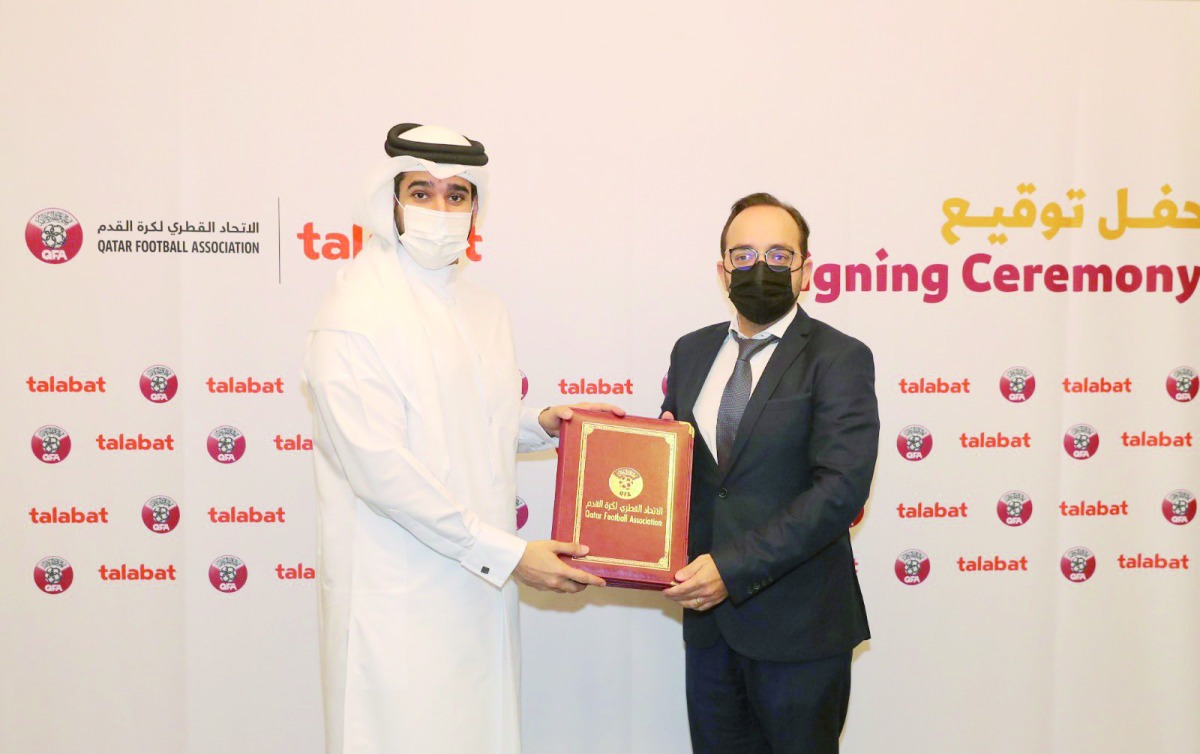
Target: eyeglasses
[[777, 258]]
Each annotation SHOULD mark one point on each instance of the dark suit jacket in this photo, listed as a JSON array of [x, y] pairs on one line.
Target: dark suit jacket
[[776, 519]]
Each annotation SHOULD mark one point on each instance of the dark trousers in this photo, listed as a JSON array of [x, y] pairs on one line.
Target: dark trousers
[[737, 705]]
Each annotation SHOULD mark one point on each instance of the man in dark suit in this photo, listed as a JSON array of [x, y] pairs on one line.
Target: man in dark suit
[[786, 413]]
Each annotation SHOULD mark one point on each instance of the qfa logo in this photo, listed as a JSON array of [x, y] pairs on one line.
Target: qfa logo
[[54, 236], [159, 384], [914, 443], [524, 385], [227, 573], [912, 567], [522, 514], [51, 444], [1017, 384], [1182, 384], [1081, 441], [1014, 508], [1078, 564], [226, 444], [53, 575], [625, 483], [160, 514], [664, 384], [1179, 507]]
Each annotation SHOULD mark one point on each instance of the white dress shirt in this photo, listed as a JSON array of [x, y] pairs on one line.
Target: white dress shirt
[[708, 403]]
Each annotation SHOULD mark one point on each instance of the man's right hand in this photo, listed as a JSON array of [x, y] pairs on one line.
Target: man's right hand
[[542, 569]]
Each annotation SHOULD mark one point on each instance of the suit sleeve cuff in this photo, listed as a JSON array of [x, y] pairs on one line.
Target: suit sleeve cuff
[[494, 555], [740, 585]]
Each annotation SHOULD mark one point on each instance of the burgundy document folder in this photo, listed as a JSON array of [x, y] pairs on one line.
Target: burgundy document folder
[[624, 490]]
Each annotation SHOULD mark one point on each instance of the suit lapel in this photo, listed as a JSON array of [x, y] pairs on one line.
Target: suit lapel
[[791, 345], [694, 375]]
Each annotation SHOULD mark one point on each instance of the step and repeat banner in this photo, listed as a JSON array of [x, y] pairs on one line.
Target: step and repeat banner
[[1005, 206]]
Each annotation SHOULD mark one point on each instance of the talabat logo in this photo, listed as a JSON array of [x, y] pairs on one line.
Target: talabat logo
[[912, 567], [136, 443], [522, 514], [935, 385], [139, 572], [333, 245], [931, 510], [1017, 384], [70, 515], [299, 572], [1098, 508], [1014, 508], [51, 444], [53, 575], [1081, 441], [158, 384], [251, 515], [1154, 560], [625, 483], [584, 386], [339, 246], [54, 236], [1098, 385], [249, 385], [1179, 507], [992, 564], [227, 573], [226, 444], [997, 440], [54, 384], [1158, 439], [296, 443], [1078, 564], [915, 443], [1182, 384], [160, 514], [524, 385]]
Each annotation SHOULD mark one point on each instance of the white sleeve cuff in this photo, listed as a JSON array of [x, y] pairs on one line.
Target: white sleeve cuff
[[494, 555], [532, 436]]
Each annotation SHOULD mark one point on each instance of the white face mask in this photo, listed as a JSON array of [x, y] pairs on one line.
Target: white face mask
[[434, 239]]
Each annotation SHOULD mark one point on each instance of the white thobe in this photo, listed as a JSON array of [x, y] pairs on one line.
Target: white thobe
[[417, 492]]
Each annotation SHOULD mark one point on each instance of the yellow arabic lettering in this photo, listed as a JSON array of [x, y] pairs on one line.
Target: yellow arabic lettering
[[1122, 209], [955, 210]]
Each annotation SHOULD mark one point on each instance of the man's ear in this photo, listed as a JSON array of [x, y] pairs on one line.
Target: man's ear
[[723, 277], [806, 270]]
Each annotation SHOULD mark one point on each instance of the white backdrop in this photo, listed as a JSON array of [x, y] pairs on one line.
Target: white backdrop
[[619, 135]]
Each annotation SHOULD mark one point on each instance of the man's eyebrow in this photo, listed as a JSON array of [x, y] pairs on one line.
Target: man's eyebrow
[[461, 187], [421, 183]]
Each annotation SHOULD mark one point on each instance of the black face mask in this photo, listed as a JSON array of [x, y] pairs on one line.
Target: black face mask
[[761, 294]]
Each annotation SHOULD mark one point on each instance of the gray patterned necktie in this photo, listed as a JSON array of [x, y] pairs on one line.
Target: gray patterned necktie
[[737, 394]]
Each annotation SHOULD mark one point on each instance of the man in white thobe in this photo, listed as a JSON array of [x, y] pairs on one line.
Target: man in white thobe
[[417, 423]]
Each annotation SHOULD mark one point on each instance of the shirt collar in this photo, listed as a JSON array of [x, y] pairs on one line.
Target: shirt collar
[[777, 328]]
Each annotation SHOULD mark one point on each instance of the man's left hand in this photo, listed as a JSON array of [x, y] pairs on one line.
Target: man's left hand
[[552, 417], [700, 586]]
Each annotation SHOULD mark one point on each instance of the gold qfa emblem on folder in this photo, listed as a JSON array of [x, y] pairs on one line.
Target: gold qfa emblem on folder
[[625, 483]]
